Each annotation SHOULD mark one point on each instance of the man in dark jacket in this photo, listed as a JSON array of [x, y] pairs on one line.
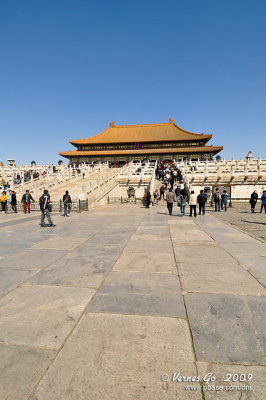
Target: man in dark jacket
[[14, 201], [263, 201], [217, 200], [253, 200], [162, 190], [202, 199], [224, 200], [67, 204], [46, 208], [26, 201]]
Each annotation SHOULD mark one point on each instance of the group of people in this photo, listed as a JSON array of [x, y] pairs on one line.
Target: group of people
[[168, 173], [9, 204], [46, 207], [220, 200], [183, 199], [254, 199], [8, 201]]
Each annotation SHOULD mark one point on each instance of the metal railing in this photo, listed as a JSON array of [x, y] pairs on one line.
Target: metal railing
[[77, 206]]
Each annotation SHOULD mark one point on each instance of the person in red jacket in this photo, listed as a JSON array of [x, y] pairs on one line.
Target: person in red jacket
[[26, 200]]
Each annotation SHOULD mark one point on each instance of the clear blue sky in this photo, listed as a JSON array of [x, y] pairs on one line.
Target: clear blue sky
[[67, 68]]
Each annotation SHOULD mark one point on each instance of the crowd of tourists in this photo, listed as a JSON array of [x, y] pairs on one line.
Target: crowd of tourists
[[174, 191]]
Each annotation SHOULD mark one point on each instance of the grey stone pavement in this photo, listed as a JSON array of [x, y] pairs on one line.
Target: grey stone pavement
[[113, 304]]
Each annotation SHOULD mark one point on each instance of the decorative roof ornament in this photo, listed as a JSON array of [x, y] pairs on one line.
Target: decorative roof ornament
[[171, 121], [111, 124], [249, 156]]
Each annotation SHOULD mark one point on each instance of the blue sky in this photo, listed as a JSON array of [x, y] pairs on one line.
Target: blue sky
[[68, 68]]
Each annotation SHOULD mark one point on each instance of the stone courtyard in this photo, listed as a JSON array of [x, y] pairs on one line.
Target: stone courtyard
[[114, 303]]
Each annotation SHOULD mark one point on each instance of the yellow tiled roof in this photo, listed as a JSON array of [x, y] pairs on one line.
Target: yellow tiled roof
[[177, 150], [141, 133]]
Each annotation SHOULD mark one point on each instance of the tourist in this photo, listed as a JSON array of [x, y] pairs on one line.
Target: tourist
[[46, 208], [217, 200], [148, 198], [155, 196], [162, 190], [193, 204], [3, 201], [170, 198], [67, 204], [253, 200], [202, 199], [224, 200], [26, 201], [177, 192], [14, 202], [9, 200], [263, 201], [182, 201]]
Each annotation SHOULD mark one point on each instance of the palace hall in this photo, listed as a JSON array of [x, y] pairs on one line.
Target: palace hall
[[120, 144]]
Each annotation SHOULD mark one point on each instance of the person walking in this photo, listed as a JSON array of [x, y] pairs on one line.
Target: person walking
[[148, 198], [170, 198], [253, 200], [202, 199], [182, 202], [9, 200], [217, 200], [263, 202], [224, 200], [46, 208], [67, 204], [26, 201], [162, 190], [193, 203], [155, 196], [14, 202], [3, 201]]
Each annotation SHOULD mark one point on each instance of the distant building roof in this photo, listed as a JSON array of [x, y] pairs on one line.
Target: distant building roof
[[142, 133]]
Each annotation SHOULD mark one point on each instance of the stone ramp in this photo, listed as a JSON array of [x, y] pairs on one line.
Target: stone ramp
[[111, 303]]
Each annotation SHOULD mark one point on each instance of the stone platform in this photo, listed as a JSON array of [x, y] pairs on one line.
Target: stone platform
[[109, 304]]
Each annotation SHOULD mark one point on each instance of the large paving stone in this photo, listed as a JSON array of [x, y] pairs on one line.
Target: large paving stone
[[10, 278], [232, 237], [95, 250], [139, 293], [74, 271], [181, 222], [41, 316], [149, 246], [7, 249], [218, 278], [254, 248], [121, 357], [21, 369], [146, 262], [110, 238], [59, 244], [255, 264], [31, 259], [225, 328], [221, 371], [147, 230], [191, 237], [150, 236], [208, 254]]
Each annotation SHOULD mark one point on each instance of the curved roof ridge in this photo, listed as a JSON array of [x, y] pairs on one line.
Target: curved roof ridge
[[191, 133], [133, 125]]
